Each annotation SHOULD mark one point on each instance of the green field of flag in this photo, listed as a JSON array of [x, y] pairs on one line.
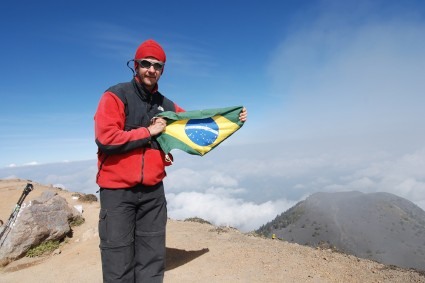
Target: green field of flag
[[198, 132]]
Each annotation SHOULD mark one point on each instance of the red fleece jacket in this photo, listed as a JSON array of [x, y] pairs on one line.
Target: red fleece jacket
[[127, 154]]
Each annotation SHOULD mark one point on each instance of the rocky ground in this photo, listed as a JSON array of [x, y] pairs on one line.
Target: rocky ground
[[196, 252]]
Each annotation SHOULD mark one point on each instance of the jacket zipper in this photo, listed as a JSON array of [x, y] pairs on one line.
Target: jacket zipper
[[147, 105]]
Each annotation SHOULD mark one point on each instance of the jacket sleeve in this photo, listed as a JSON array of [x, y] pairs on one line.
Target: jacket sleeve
[[178, 108], [109, 127]]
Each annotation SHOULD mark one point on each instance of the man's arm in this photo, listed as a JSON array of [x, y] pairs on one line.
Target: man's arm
[[109, 127]]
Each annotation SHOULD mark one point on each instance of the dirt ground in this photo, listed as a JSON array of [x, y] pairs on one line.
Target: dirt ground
[[196, 252]]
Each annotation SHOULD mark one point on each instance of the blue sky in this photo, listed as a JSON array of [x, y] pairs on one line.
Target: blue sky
[[334, 91], [58, 58]]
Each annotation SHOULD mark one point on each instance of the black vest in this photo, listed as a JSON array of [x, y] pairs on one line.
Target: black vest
[[140, 105]]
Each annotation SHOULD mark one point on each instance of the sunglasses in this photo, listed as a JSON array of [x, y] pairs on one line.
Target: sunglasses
[[147, 64]]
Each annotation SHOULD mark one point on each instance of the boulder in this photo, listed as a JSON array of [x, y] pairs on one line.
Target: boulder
[[45, 218]]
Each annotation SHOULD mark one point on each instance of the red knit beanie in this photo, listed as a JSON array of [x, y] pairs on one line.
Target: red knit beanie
[[150, 48]]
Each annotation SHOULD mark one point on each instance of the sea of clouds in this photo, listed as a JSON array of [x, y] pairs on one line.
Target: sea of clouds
[[247, 186]]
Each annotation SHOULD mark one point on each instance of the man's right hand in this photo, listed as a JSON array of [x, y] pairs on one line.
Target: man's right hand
[[157, 126]]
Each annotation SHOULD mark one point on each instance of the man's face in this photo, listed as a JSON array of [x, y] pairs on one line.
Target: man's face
[[149, 71]]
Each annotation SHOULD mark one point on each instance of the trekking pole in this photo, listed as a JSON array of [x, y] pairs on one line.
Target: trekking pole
[[15, 212]]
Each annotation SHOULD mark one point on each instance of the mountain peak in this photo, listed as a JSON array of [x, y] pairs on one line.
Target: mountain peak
[[378, 226]]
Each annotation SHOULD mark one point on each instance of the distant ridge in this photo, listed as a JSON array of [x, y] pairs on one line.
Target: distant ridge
[[378, 226]]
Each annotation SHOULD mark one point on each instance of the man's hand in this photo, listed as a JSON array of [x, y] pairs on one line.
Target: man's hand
[[157, 126], [243, 116]]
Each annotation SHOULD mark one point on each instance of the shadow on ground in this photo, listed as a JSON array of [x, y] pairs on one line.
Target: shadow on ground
[[176, 257]]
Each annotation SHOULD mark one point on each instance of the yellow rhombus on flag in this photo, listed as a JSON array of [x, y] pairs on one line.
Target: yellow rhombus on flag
[[198, 132]]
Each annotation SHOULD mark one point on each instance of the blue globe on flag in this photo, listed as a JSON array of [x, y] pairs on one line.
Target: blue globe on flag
[[202, 132]]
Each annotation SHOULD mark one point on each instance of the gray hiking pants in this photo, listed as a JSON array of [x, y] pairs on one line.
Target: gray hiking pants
[[132, 234]]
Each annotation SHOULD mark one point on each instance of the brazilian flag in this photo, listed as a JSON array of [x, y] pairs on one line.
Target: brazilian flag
[[198, 132]]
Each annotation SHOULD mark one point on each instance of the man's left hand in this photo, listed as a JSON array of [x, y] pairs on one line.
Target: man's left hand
[[243, 115]]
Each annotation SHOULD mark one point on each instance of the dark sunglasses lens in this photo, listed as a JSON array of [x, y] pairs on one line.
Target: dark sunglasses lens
[[145, 64], [157, 66]]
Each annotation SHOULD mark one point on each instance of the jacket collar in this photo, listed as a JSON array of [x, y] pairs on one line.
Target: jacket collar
[[142, 91]]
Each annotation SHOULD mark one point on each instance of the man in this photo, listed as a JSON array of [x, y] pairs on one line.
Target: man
[[131, 167]]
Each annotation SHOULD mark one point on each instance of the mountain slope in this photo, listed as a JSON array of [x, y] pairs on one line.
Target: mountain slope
[[378, 226], [195, 253]]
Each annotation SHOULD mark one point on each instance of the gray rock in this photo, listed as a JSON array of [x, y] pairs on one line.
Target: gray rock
[[45, 218]]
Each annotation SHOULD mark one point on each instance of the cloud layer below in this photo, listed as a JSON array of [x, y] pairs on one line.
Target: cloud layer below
[[229, 187]]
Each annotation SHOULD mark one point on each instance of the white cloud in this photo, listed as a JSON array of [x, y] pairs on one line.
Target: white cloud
[[289, 175], [403, 176], [32, 163], [13, 165], [220, 179], [222, 210], [339, 82], [198, 179], [351, 99], [226, 189]]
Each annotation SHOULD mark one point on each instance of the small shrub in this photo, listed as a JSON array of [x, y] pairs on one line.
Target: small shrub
[[222, 229], [197, 219], [77, 221], [44, 248], [255, 234], [88, 198], [219, 230]]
